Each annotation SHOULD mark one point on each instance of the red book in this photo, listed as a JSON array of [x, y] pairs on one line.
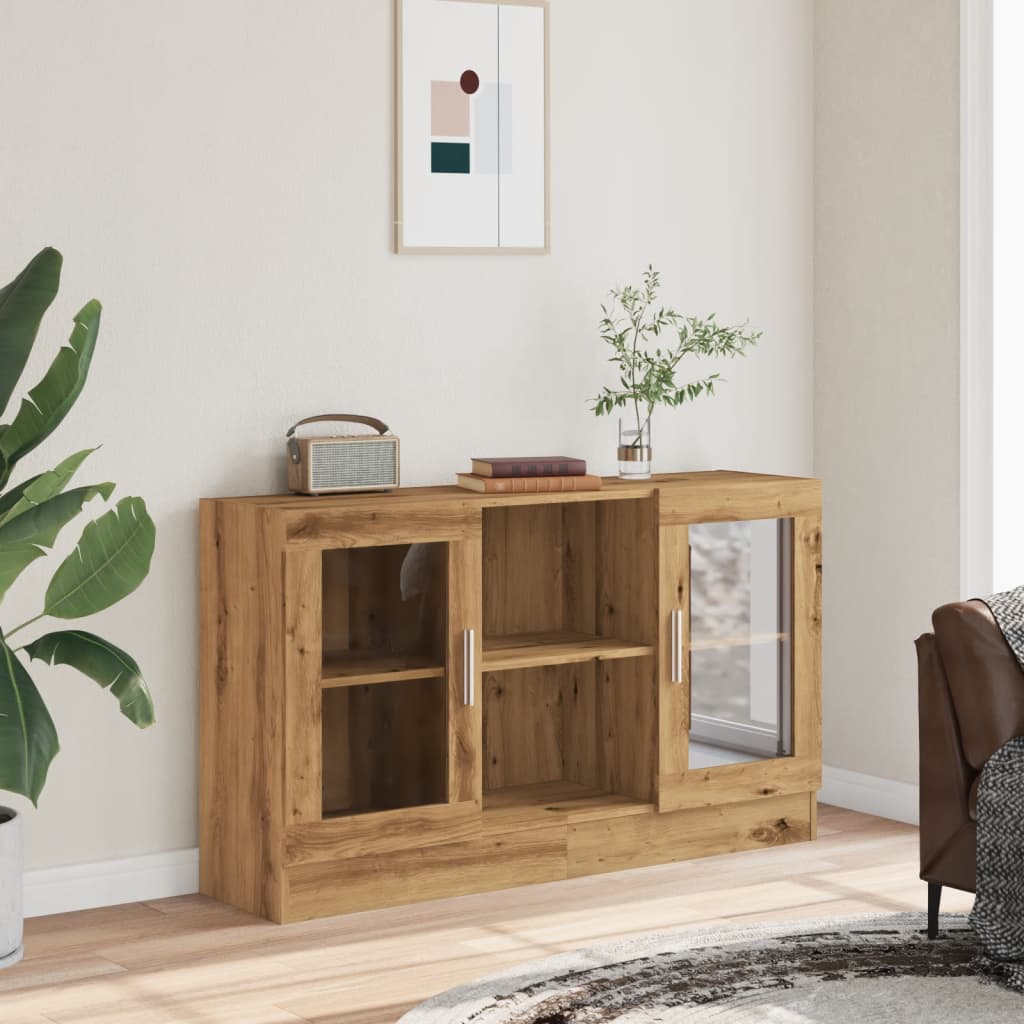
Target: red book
[[527, 484], [543, 465]]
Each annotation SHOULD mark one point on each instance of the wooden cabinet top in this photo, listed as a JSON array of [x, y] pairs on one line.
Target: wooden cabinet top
[[705, 484], [450, 513]]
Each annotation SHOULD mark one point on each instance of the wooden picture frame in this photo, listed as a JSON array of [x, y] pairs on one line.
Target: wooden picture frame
[[402, 172]]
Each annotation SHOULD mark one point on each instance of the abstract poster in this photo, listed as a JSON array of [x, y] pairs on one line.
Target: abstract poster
[[471, 125]]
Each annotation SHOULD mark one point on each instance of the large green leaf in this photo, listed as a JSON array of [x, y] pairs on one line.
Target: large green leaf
[[22, 305], [40, 524], [102, 662], [52, 398], [39, 488], [13, 560], [111, 560], [28, 739]]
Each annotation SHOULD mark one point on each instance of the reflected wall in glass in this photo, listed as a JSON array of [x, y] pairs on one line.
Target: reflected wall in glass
[[741, 609]]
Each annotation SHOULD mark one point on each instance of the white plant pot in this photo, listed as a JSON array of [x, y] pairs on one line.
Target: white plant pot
[[11, 886]]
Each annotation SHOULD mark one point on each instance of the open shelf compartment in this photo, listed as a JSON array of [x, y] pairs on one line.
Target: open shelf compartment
[[575, 741], [569, 676], [566, 583]]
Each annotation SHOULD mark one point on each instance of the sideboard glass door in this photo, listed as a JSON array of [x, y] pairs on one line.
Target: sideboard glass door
[[740, 641], [384, 680]]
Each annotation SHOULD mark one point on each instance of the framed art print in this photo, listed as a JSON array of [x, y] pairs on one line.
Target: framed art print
[[471, 126]]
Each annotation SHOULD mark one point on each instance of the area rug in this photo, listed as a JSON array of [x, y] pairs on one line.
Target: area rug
[[844, 971]]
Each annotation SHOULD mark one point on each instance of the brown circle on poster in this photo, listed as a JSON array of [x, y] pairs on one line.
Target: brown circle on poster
[[470, 82]]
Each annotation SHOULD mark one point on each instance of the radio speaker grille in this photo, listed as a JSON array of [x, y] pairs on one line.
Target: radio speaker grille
[[353, 464]]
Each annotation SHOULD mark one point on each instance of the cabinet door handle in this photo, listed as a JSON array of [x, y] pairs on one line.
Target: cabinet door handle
[[672, 646], [468, 667], [677, 645]]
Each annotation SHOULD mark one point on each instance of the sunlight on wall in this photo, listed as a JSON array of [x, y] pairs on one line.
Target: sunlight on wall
[[1008, 288]]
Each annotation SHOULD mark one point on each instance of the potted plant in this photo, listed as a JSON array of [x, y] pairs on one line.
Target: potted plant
[[633, 325], [111, 559]]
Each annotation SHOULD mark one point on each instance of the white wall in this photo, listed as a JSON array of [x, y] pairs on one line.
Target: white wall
[[887, 365], [218, 172], [1008, 303]]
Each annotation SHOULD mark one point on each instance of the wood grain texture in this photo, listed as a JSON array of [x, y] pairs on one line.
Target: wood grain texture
[[242, 708], [705, 485], [551, 803], [426, 873], [465, 722], [213, 674], [523, 727], [380, 523], [394, 747], [303, 658], [523, 567], [618, 844], [673, 697], [333, 688], [626, 557], [582, 760], [366, 835], [728, 497], [628, 720], [387, 602], [556, 647], [358, 669], [580, 568], [739, 783], [807, 568], [337, 783]]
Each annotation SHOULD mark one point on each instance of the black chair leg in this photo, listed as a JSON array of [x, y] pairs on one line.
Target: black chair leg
[[934, 898]]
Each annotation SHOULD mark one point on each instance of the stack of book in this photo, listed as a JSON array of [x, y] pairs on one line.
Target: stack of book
[[529, 475]]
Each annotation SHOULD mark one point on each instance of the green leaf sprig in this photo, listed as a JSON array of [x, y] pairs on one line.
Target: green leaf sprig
[[633, 324]]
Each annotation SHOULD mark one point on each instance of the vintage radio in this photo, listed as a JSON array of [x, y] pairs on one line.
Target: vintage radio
[[351, 462]]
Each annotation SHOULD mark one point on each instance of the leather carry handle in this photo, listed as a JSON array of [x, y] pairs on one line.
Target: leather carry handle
[[331, 417]]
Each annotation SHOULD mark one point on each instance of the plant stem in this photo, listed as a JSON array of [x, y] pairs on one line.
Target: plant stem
[[28, 622], [632, 373]]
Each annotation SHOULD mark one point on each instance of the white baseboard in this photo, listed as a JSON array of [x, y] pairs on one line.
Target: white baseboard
[[158, 875], [869, 795], [109, 882]]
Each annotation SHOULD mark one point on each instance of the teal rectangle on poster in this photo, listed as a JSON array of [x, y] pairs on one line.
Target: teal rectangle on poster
[[449, 157]]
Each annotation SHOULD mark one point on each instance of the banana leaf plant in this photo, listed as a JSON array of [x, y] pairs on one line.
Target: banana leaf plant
[[110, 560]]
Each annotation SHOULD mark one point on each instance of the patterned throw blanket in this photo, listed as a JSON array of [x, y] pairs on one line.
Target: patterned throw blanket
[[998, 914]]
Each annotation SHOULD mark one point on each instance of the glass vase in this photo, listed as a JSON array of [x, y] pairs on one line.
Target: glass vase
[[635, 452]]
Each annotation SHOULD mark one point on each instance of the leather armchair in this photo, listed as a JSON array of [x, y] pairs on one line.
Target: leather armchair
[[970, 702]]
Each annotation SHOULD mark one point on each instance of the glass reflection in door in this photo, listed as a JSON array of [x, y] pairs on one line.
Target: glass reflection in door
[[741, 655]]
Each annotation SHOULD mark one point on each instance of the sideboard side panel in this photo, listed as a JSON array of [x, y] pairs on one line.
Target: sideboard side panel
[[807, 569], [241, 709]]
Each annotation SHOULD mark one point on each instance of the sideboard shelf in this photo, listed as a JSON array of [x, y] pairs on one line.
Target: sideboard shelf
[[433, 692], [560, 802], [725, 642], [359, 670], [557, 647]]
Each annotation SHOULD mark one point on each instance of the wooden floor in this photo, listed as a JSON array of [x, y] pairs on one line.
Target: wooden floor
[[190, 959]]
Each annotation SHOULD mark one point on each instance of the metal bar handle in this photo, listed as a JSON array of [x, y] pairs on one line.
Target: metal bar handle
[[677, 645], [673, 674], [468, 667]]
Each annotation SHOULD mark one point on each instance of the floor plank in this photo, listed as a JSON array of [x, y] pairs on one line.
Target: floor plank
[[189, 959]]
